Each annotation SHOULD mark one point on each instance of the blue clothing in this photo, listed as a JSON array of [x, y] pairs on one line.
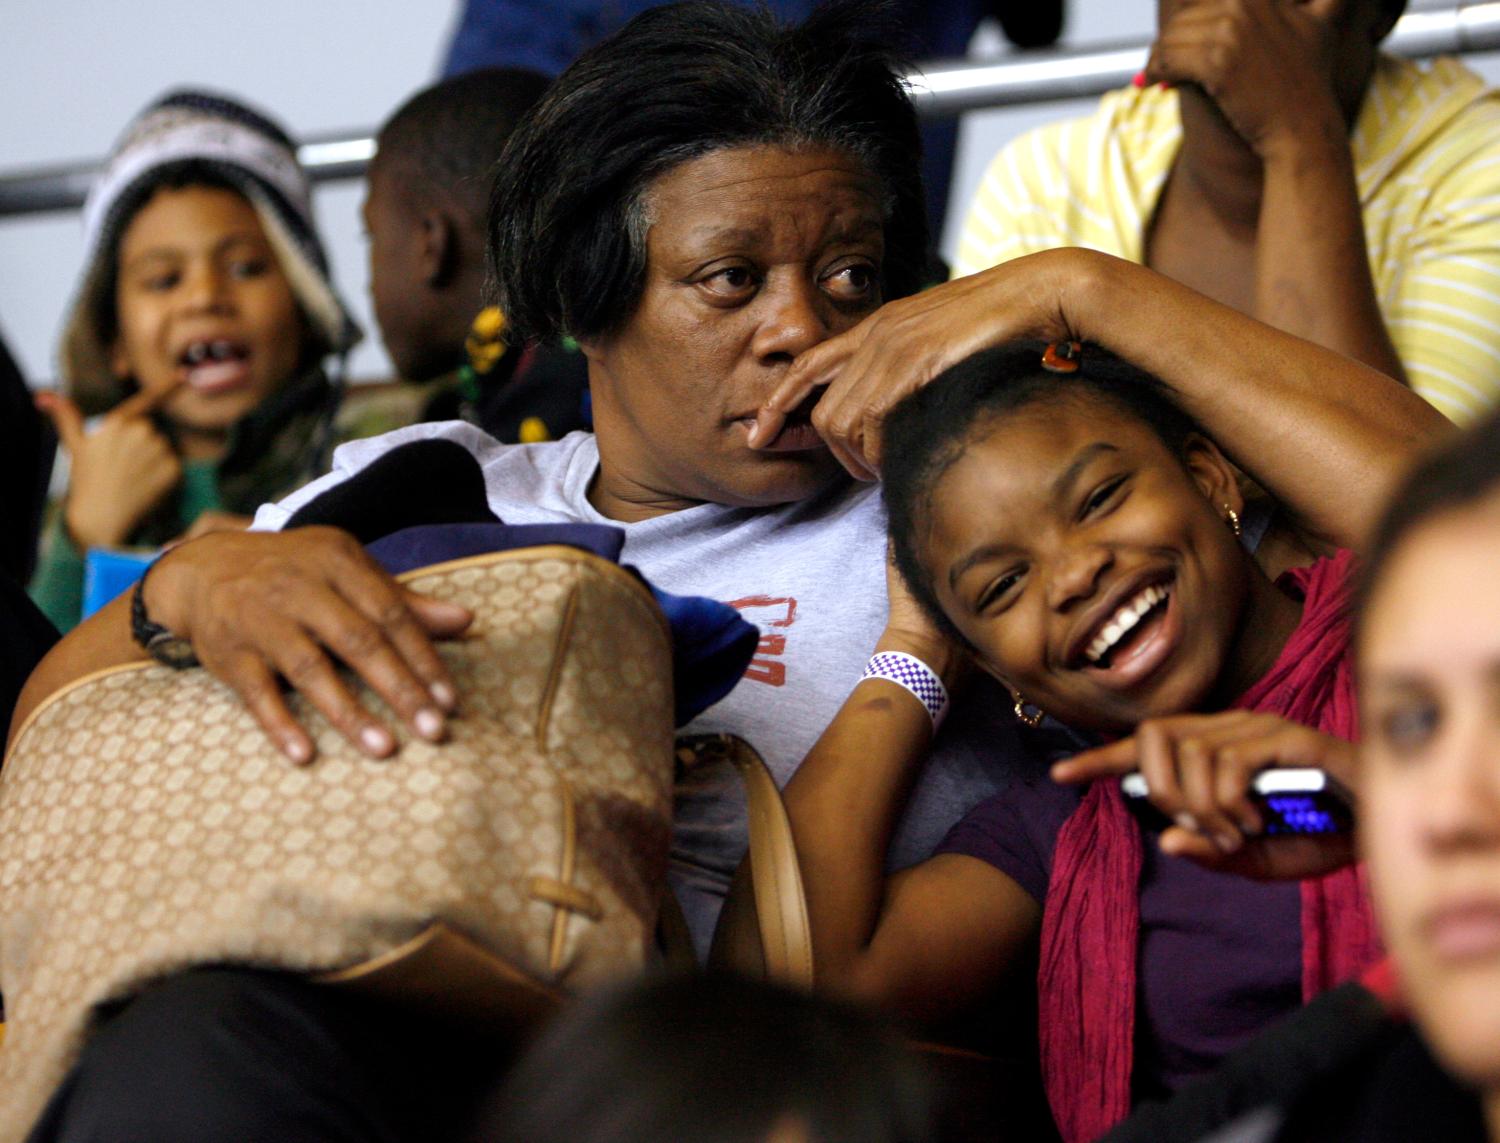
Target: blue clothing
[[548, 36]]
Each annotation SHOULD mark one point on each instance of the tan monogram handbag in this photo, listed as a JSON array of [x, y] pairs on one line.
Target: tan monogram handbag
[[146, 825]]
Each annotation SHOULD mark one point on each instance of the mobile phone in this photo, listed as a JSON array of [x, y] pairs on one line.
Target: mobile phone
[[1296, 801]]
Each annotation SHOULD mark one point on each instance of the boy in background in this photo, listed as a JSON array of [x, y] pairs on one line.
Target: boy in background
[[205, 334], [425, 206]]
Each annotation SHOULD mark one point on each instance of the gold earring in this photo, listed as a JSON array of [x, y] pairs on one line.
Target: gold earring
[[1233, 519], [1033, 719]]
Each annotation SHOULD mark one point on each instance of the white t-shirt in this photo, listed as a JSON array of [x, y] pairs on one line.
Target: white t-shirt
[[810, 575]]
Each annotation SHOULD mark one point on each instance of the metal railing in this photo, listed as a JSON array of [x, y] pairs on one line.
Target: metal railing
[[940, 89], [950, 88]]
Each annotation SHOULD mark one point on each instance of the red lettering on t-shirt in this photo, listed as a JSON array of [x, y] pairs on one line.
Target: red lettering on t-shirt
[[768, 666]]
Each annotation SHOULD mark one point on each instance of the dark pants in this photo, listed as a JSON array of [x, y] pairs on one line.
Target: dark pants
[[235, 1054]]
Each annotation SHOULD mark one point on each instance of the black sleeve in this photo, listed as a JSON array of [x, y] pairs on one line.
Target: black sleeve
[[1275, 1070], [25, 636], [421, 482], [27, 446]]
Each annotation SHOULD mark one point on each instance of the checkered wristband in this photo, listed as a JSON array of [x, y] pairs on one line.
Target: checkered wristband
[[916, 676]]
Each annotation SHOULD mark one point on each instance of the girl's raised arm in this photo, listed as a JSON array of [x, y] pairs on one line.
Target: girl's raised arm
[[931, 940], [1323, 434]]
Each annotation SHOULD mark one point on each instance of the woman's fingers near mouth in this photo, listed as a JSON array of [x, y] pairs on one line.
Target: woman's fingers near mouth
[[784, 412], [765, 426]]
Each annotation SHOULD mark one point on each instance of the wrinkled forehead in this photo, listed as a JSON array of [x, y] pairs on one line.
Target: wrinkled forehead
[[751, 192]]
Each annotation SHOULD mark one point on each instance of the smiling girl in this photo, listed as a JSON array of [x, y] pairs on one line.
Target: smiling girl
[[1411, 1051], [1069, 529], [198, 334]]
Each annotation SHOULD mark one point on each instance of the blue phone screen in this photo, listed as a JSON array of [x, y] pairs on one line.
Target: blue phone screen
[[1299, 814]]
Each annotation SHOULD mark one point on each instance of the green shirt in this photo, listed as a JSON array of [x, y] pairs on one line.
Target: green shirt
[[271, 451], [57, 586]]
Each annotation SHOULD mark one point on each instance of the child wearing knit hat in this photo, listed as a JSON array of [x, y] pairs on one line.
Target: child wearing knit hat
[[198, 335]]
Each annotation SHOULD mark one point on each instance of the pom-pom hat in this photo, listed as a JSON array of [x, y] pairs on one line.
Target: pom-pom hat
[[249, 153]]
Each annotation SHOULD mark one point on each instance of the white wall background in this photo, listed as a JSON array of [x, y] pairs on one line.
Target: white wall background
[[73, 71]]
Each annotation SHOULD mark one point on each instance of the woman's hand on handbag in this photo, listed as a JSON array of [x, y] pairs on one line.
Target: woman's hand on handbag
[[261, 607]]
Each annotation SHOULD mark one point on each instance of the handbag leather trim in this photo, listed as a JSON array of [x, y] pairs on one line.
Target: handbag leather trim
[[554, 677], [443, 970], [569, 858], [568, 897], [775, 875], [780, 900]]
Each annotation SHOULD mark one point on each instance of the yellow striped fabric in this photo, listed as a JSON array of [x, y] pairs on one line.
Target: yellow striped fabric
[[1427, 156]]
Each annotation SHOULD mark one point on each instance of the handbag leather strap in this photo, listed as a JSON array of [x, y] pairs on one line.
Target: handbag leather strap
[[776, 878]]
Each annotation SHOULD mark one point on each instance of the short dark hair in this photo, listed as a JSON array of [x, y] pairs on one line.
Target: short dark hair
[[1461, 471], [713, 1058], [450, 135], [928, 431], [567, 229]]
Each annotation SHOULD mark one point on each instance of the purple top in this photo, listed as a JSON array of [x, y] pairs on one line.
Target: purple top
[[1220, 955]]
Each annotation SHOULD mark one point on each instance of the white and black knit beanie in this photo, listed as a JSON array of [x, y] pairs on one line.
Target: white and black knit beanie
[[248, 152]]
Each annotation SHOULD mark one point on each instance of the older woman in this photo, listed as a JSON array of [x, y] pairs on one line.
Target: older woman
[[702, 199], [699, 201]]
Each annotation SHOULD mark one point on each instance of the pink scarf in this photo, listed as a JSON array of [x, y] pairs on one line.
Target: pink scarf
[[1091, 917]]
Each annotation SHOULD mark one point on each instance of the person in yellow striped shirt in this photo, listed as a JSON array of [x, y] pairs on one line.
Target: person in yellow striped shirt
[[1274, 159]]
